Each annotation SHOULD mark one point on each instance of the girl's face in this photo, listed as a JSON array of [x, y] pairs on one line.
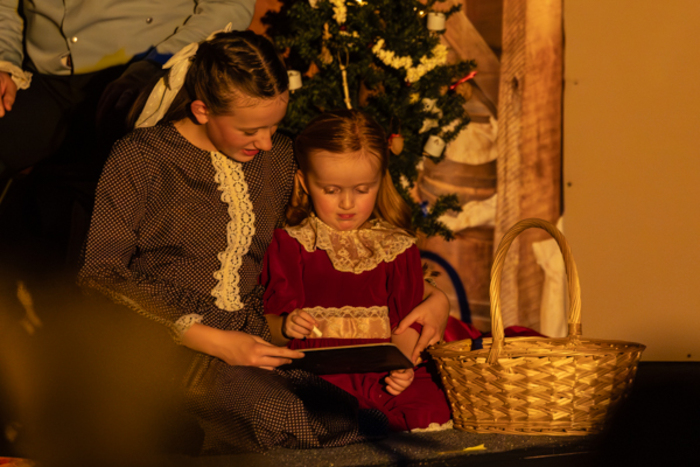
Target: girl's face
[[246, 130], [342, 187]]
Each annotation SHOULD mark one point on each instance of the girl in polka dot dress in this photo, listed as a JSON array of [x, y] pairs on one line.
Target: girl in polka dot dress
[[346, 270], [185, 208]]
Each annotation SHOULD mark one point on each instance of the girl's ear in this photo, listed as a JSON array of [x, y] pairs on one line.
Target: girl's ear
[[299, 178], [200, 111], [300, 205]]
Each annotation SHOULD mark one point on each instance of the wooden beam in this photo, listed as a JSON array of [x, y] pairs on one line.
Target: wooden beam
[[529, 144]]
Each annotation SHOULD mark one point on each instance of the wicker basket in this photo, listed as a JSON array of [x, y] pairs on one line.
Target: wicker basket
[[536, 385]]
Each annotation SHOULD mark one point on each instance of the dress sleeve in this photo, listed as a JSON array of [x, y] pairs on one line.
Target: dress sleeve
[[282, 275], [405, 283], [113, 238]]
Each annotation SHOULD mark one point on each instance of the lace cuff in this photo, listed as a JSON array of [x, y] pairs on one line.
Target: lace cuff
[[21, 78], [183, 324]]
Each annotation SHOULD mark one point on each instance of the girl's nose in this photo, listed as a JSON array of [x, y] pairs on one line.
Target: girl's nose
[[347, 201], [264, 140]]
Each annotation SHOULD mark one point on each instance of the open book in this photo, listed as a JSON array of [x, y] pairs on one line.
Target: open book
[[366, 358]]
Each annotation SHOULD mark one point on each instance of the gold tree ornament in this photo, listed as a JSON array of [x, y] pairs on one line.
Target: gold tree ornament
[[313, 69], [396, 144], [463, 87], [365, 93], [465, 90], [325, 57]]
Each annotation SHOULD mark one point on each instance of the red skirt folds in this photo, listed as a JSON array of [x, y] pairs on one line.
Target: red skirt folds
[[422, 403]]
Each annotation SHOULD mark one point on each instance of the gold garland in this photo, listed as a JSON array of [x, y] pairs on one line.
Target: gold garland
[[413, 73]]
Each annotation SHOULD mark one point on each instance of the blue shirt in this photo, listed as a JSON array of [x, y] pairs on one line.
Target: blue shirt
[[66, 37]]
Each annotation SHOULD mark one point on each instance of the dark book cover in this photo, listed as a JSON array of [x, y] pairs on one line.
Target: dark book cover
[[367, 358]]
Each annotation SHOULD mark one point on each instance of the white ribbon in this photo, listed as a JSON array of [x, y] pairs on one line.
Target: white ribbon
[[163, 94]]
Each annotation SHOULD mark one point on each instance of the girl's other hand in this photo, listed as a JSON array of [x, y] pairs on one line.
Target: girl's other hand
[[298, 324], [398, 381], [432, 314]]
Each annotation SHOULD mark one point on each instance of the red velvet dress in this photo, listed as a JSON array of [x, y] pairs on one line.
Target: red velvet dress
[[348, 304]]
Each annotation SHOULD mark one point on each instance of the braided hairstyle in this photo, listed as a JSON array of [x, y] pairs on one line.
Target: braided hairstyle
[[230, 66]]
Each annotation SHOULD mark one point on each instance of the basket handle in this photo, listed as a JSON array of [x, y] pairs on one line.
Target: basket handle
[[495, 289]]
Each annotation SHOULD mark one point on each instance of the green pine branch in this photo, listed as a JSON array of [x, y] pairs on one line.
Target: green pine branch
[[314, 43]]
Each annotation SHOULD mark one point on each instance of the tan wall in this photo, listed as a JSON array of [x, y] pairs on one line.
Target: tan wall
[[632, 159]]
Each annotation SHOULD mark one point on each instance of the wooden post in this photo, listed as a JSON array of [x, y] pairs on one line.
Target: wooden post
[[466, 43], [529, 144]]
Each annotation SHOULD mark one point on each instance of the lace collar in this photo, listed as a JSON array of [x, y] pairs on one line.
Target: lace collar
[[354, 251]]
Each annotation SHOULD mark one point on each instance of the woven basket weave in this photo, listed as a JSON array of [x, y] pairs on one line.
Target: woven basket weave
[[536, 385]]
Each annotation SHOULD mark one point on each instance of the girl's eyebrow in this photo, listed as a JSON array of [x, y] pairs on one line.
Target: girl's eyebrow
[[259, 127], [324, 183]]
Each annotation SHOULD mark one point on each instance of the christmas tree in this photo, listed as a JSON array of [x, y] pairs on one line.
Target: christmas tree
[[386, 58]]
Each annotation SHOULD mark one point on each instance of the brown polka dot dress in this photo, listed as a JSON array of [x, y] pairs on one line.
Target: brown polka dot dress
[[179, 234]]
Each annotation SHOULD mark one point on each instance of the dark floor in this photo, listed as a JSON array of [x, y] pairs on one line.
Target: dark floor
[[659, 424]]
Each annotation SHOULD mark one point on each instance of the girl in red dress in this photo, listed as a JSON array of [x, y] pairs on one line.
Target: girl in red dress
[[345, 270]]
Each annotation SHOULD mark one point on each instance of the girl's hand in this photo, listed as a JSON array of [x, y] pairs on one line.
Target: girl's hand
[[432, 313], [398, 380], [240, 348], [298, 324], [237, 348]]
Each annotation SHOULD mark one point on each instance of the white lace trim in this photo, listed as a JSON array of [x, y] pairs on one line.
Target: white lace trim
[[21, 78], [349, 311], [354, 251], [184, 323], [350, 322], [239, 232]]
